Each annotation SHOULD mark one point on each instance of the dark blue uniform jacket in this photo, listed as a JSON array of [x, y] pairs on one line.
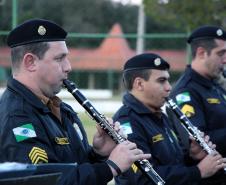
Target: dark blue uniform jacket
[[154, 135], [204, 103], [50, 141]]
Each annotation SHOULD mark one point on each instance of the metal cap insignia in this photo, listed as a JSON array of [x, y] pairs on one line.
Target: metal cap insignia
[[157, 61], [219, 32], [41, 30]]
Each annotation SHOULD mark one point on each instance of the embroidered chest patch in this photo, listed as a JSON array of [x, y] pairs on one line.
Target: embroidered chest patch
[[213, 100], [157, 138], [62, 140]]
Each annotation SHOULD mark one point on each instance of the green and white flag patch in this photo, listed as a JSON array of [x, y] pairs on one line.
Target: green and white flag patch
[[183, 97], [24, 132], [126, 128]]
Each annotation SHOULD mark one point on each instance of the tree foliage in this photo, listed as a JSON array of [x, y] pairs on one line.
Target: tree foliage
[[81, 16], [185, 14]]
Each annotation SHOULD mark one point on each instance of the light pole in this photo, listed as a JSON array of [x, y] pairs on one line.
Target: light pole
[[140, 29], [14, 13]]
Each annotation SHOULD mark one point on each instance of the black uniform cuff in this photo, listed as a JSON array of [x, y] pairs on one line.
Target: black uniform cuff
[[195, 174], [103, 173], [94, 157]]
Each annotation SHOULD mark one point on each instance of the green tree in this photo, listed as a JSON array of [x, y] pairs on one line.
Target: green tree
[[185, 14], [79, 16]]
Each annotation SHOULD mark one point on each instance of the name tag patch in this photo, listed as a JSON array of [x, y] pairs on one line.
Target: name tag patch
[[62, 140], [213, 101], [157, 138]]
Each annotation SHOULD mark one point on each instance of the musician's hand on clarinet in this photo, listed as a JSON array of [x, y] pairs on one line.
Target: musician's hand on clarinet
[[196, 151], [211, 164], [125, 154], [102, 142]]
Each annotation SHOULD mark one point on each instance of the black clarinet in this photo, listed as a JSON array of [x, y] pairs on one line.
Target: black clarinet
[[144, 165], [189, 127]]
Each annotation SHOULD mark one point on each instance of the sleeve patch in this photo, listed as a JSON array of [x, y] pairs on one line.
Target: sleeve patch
[[126, 128], [183, 97], [134, 168], [188, 110], [24, 132], [38, 155]]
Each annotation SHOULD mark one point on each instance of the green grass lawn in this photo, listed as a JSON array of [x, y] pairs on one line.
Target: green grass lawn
[[90, 127]]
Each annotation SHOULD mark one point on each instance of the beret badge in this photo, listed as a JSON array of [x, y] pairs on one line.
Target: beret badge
[[157, 61], [41, 30], [219, 32]]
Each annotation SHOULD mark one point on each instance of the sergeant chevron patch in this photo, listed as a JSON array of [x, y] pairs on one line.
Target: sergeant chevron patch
[[188, 110], [38, 155], [134, 168]]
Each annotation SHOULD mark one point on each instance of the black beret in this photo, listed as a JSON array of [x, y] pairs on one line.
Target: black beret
[[146, 61], [205, 32], [35, 30]]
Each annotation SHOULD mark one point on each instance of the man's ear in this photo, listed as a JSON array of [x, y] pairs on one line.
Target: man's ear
[[138, 83], [201, 52], [29, 62]]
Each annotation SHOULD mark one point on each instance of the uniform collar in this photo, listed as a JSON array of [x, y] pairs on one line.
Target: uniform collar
[[135, 104], [199, 78], [26, 93]]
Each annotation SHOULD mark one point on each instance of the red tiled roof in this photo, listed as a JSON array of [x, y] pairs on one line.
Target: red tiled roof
[[5, 57], [110, 55], [113, 53]]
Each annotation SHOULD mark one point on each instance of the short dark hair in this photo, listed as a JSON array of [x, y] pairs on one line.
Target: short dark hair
[[17, 53], [129, 76], [208, 44]]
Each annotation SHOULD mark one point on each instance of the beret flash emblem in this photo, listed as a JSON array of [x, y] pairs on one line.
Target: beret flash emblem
[[157, 61], [219, 32], [41, 30]]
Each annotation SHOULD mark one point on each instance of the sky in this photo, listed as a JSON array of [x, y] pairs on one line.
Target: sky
[[129, 1]]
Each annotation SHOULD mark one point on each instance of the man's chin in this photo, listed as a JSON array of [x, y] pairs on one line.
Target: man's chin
[[57, 90]]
